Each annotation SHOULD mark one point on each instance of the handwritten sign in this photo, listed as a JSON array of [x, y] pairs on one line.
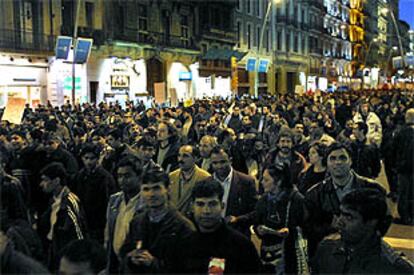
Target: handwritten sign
[[159, 92], [13, 112]]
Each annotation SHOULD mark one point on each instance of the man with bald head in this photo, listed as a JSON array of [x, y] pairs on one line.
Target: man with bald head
[[185, 178], [404, 154]]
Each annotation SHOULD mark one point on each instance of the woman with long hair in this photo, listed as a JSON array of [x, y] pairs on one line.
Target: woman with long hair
[[277, 218]]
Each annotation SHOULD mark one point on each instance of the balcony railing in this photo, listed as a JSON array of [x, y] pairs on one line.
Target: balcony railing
[[26, 41], [157, 39]]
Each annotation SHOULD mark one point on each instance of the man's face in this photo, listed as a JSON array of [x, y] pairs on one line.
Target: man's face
[[90, 161], [349, 124], [221, 164], [299, 128], [128, 179], [162, 132], [185, 158], [365, 108], [51, 145], [358, 133], [155, 195], [285, 144], [113, 142], [47, 184], [246, 121], [98, 140], [207, 213], [352, 227], [236, 111], [145, 153], [18, 142], [67, 267], [206, 145], [339, 163]]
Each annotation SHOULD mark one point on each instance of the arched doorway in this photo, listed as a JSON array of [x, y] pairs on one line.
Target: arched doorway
[[155, 73]]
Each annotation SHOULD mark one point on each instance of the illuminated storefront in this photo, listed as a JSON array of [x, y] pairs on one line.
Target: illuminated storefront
[[116, 79], [23, 77]]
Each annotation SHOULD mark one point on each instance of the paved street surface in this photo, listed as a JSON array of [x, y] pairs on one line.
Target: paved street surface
[[401, 237]]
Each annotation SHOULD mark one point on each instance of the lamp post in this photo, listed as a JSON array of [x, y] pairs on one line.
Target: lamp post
[[256, 71], [394, 48], [375, 40], [397, 32], [75, 36]]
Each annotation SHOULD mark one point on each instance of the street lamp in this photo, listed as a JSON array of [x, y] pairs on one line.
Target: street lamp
[[75, 36], [375, 40], [394, 21], [256, 71]]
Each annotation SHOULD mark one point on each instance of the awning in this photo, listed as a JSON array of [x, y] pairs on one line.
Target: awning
[[222, 54]]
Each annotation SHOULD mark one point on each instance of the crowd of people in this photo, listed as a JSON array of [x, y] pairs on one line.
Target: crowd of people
[[90, 189]]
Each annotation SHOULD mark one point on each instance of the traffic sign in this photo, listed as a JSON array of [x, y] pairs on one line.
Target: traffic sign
[[63, 44], [251, 64]]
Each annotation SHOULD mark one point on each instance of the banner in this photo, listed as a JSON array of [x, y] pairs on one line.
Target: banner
[[63, 44], [14, 110], [159, 92], [83, 49]]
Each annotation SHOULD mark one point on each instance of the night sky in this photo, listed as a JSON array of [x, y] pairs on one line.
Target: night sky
[[406, 12]]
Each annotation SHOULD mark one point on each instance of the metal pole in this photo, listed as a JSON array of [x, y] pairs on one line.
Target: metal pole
[[256, 71], [398, 37], [75, 36]]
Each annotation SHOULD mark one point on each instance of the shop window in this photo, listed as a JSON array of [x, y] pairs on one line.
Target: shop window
[[185, 31], [142, 19], [279, 41]]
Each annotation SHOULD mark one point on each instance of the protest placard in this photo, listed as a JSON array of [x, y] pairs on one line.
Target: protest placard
[[14, 110]]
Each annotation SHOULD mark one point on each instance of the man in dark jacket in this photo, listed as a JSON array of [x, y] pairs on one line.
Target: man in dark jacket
[[56, 153], [365, 157], [14, 262], [155, 234], [285, 154], [322, 200], [404, 154], [168, 146], [364, 219], [93, 185], [214, 248], [239, 198], [64, 220]]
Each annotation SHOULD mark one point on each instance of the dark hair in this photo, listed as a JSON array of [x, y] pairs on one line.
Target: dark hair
[[36, 134], [337, 146], [55, 170], [363, 127], [156, 174], [285, 132], [115, 133], [90, 148], [280, 172], [86, 251], [132, 162], [78, 132], [218, 149], [146, 141], [207, 188], [371, 203], [21, 134], [321, 149]]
